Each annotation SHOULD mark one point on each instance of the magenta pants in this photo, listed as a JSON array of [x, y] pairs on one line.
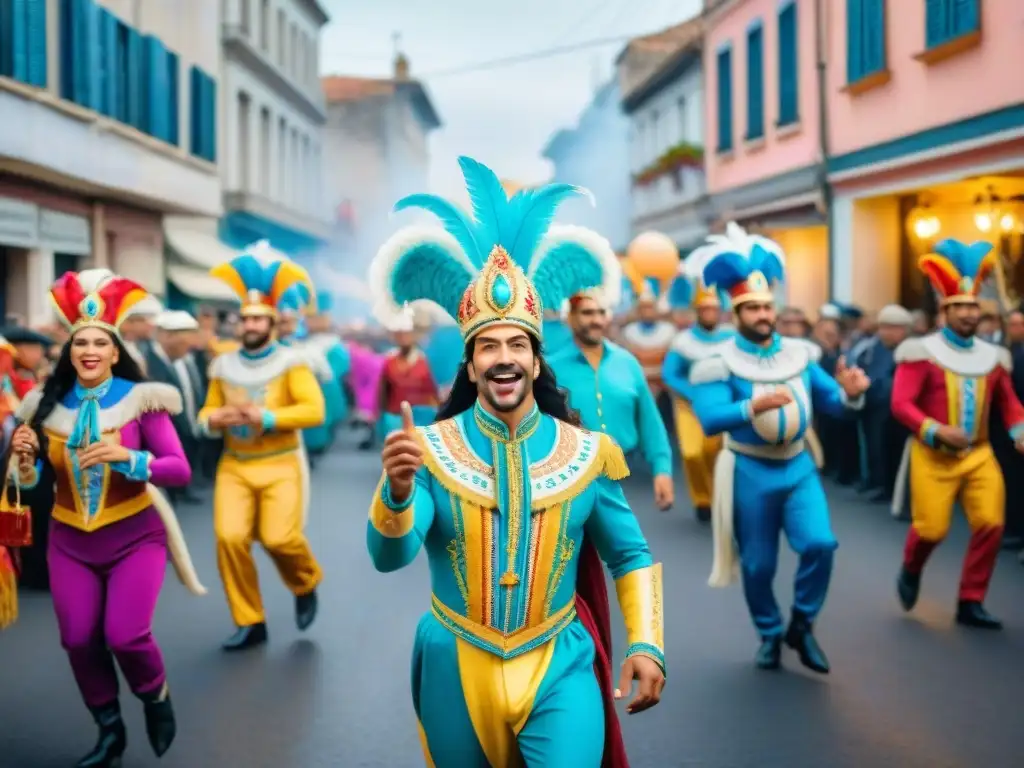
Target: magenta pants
[[105, 586]]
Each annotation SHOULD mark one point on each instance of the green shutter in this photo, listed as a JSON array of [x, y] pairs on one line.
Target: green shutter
[[725, 100], [789, 88], [35, 31], [755, 81]]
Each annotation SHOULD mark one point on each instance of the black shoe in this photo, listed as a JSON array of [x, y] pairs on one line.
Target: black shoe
[[769, 655], [908, 588], [112, 740], [305, 610], [972, 613], [246, 637], [160, 724], [703, 514], [800, 637]]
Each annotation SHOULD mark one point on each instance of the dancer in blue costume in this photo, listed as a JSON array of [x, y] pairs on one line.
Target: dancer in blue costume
[[702, 340], [511, 500], [322, 337], [293, 333], [760, 391]]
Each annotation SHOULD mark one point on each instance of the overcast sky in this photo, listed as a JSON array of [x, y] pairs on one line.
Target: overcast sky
[[504, 116]]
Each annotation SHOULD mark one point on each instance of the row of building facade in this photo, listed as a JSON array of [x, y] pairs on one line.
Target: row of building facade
[[855, 133], [159, 138]]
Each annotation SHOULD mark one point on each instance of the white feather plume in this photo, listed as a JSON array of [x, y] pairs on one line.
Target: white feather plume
[[385, 308], [611, 287], [735, 240]]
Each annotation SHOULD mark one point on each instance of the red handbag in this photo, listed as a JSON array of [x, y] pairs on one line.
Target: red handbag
[[16, 519]]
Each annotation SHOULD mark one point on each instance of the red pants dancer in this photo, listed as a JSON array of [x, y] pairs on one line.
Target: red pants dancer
[[944, 387]]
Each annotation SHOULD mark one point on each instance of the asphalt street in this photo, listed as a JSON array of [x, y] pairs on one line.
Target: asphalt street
[[906, 691]]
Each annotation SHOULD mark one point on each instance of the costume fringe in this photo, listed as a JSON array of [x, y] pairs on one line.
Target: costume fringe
[[8, 590], [613, 459]]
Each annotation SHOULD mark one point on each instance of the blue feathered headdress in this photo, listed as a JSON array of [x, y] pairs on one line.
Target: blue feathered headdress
[[957, 270], [743, 266], [501, 265]]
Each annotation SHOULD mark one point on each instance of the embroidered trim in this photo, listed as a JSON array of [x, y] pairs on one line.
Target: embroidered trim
[[144, 397], [650, 651], [979, 360], [789, 362], [235, 369], [693, 348], [659, 337]]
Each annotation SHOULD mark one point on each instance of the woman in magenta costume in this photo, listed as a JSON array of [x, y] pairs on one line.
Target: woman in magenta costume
[[107, 433]]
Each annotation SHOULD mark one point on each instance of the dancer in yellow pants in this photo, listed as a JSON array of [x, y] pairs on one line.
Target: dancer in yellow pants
[[260, 398], [699, 342]]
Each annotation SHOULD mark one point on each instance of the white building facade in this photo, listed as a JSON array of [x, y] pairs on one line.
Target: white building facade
[[109, 123], [271, 142], [666, 146]]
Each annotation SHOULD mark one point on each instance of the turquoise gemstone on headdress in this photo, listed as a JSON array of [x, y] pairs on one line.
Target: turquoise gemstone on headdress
[[91, 307], [501, 292]]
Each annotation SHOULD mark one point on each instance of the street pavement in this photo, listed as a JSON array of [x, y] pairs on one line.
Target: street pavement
[[906, 691]]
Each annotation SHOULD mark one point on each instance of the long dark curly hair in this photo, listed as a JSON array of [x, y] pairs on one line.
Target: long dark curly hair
[[551, 399], [62, 380]]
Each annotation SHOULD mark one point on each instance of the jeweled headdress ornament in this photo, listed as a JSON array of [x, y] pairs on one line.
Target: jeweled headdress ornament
[[91, 299], [957, 270], [744, 266], [501, 265], [260, 277]]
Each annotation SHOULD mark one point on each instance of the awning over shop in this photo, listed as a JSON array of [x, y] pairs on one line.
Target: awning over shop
[[197, 283], [196, 241]]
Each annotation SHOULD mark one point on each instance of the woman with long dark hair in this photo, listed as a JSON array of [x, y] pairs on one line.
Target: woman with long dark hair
[[107, 436]]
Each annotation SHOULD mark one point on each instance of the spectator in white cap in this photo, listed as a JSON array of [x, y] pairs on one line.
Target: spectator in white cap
[[169, 360], [138, 328]]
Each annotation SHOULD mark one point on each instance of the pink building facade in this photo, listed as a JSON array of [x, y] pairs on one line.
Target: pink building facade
[[764, 152], [925, 135]]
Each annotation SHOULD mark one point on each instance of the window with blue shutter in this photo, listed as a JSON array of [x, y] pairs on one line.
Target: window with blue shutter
[[109, 73], [14, 41], [865, 38], [947, 20], [173, 98], [789, 89], [35, 31], [202, 115], [755, 81], [724, 71], [81, 69], [135, 80], [155, 110]]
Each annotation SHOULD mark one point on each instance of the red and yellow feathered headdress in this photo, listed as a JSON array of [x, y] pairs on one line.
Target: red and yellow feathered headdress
[[105, 306], [261, 279], [957, 270]]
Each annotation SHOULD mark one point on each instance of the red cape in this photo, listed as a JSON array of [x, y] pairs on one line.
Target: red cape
[[594, 613]]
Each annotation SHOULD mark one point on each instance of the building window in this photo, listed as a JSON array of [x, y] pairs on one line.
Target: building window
[[655, 148], [244, 157], [681, 112], [265, 152], [789, 89], [724, 73], [283, 170], [23, 42], [293, 59], [865, 38], [173, 98], [297, 179], [79, 42], [947, 20], [161, 94], [755, 81], [202, 115], [282, 37], [265, 26], [246, 18]]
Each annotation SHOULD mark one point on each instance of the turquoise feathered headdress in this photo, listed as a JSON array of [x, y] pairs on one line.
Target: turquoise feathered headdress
[[501, 265], [742, 266]]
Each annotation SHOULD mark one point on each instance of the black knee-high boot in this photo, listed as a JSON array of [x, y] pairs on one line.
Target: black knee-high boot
[[112, 740], [161, 726]]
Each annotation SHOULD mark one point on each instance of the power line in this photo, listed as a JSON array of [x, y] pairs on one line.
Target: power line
[[547, 53]]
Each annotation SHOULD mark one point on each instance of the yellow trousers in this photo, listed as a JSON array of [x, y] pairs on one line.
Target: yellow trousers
[[938, 479], [699, 453], [262, 500]]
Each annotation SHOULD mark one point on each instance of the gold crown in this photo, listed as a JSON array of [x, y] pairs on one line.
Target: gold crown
[[501, 294], [705, 297]]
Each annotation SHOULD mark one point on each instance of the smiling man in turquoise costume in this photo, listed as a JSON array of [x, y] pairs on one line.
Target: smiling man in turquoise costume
[[511, 501], [760, 390]]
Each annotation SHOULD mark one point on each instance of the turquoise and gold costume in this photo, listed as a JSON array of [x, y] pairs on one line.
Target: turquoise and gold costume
[[262, 485], [504, 661]]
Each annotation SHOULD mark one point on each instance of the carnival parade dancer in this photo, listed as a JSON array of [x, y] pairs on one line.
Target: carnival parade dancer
[[945, 385], [650, 336], [294, 334], [703, 340], [761, 391], [406, 376], [324, 338], [509, 499], [8, 404], [108, 437], [606, 385], [260, 398]]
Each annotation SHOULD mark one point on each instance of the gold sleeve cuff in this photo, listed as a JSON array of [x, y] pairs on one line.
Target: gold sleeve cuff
[[390, 523], [639, 594]]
